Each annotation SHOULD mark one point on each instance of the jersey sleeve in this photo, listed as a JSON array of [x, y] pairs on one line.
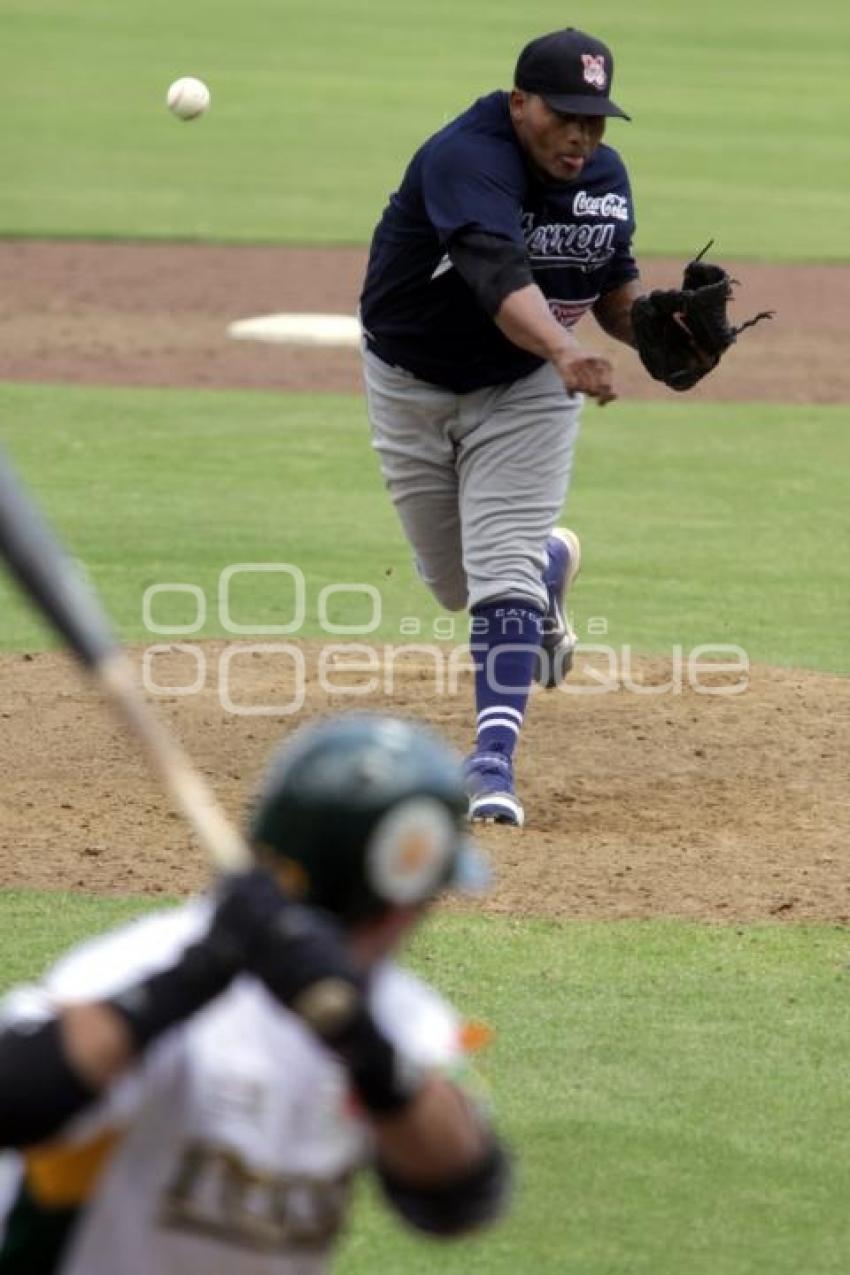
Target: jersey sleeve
[[95, 970], [471, 183], [427, 1029], [623, 267]]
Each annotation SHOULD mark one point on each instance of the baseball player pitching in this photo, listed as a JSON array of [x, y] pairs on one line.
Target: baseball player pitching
[[194, 1092], [509, 225]]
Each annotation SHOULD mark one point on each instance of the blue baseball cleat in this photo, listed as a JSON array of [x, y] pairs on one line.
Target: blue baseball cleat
[[563, 563], [490, 784]]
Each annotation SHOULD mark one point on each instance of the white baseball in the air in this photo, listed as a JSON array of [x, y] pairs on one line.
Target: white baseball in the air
[[188, 98]]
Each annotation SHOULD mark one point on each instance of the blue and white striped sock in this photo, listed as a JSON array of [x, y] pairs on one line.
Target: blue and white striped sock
[[505, 641], [497, 729]]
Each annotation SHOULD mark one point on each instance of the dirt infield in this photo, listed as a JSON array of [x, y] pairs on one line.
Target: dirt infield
[[156, 314], [711, 806]]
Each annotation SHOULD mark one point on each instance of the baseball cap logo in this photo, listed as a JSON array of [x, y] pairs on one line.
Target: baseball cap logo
[[594, 70]]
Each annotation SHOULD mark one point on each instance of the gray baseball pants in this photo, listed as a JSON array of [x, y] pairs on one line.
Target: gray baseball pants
[[478, 479]]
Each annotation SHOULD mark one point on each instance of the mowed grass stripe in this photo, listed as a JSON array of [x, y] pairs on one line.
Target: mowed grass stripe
[[318, 107], [701, 523]]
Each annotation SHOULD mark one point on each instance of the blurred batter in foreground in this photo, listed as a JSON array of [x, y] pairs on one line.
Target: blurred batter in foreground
[[193, 1093]]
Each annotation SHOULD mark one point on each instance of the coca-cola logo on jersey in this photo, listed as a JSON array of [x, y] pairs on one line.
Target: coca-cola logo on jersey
[[609, 205]]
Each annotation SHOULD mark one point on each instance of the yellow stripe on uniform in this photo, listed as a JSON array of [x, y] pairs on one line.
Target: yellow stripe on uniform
[[59, 1177]]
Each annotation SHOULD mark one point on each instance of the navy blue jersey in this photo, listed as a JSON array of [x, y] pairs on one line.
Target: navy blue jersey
[[418, 312]]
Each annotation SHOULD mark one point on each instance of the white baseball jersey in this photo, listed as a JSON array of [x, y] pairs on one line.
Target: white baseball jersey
[[231, 1146]]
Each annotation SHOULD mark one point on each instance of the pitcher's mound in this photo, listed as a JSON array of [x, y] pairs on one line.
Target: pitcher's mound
[[639, 804]]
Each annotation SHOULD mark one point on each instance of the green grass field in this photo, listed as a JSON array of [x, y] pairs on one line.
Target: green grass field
[[316, 108], [739, 509], [676, 1093]]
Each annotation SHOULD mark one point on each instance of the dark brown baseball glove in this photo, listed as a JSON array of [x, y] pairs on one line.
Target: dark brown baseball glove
[[681, 334]]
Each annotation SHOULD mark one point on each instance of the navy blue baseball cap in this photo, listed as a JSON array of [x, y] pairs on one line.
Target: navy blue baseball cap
[[571, 70]]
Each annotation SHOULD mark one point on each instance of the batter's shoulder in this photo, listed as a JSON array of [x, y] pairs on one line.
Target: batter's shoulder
[[102, 965], [415, 1016]]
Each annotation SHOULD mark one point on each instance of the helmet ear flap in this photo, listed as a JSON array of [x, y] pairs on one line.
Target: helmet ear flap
[[410, 851], [290, 875]]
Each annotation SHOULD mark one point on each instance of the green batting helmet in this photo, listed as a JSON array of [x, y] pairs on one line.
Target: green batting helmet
[[364, 813]]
